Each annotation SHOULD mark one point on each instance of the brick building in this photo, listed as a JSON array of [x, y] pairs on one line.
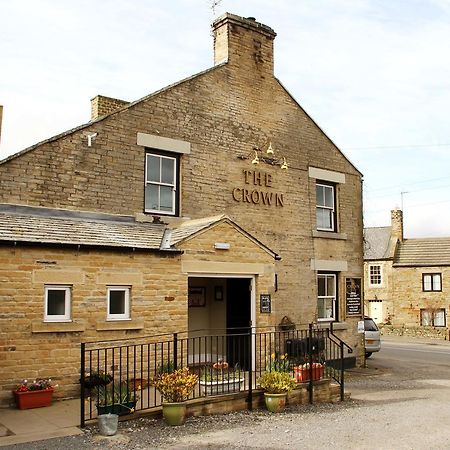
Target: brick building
[[108, 229], [406, 280]]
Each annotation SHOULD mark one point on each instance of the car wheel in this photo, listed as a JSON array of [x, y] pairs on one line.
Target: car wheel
[[368, 354]]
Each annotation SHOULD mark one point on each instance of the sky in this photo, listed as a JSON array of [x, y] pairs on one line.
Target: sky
[[374, 74]]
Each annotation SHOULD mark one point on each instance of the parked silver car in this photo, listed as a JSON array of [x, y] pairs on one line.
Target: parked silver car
[[372, 337]]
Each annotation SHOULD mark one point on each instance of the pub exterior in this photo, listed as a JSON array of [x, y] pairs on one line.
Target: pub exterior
[[214, 203]]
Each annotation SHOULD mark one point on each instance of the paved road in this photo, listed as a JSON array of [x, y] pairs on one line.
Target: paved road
[[401, 401]]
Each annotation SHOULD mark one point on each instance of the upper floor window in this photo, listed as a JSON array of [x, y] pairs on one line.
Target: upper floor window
[[432, 317], [118, 307], [431, 282], [57, 304], [161, 184], [375, 275], [325, 206], [327, 306]]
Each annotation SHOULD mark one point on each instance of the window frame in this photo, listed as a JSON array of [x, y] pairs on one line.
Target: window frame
[[333, 209], [432, 283], [335, 298], [433, 317], [175, 186], [380, 274], [67, 316], [127, 314]]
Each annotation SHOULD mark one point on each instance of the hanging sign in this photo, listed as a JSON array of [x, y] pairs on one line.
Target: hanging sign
[[353, 296]]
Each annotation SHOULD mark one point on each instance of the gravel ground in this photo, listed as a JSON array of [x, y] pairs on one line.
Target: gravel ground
[[393, 406]]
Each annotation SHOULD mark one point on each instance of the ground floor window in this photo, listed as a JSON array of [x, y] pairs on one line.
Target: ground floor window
[[57, 304], [432, 317], [118, 303], [327, 296]]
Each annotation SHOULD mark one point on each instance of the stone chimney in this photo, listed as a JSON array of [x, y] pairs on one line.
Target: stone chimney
[[243, 41], [102, 106], [397, 223]]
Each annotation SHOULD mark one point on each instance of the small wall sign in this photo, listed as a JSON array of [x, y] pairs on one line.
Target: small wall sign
[[265, 303], [196, 296], [353, 296]]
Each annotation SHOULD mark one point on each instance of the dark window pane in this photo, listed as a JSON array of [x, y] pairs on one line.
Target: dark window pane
[[166, 198], [151, 197], [116, 302], [56, 302]]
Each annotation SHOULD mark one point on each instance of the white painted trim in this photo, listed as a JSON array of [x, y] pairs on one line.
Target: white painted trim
[[327, 175], [330, 265], [163, 143]]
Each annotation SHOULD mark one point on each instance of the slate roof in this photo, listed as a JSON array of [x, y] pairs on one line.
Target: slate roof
[[423, 252], [73, 231], [376, 243], [34, 225]]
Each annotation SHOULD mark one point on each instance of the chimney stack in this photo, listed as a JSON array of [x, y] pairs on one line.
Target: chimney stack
[[102, 106], [397, 224], [244, 42]]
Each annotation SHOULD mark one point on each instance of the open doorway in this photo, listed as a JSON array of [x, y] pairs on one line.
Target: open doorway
[[220, 306]]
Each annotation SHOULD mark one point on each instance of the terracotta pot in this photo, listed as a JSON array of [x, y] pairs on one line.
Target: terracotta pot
[[301, 374], [275, 402], [33, 399], [174, 413]]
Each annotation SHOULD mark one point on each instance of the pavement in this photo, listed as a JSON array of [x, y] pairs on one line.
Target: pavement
[[60, 419]]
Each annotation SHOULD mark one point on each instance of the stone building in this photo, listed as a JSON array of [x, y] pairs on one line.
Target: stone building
[[108, 229], [407, 281]]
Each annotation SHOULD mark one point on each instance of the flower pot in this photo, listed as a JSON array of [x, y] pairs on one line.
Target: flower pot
[[275, 402], [121, 409], [107, 424], [174, 413], [33, 399], [219, 387], [302, 374]]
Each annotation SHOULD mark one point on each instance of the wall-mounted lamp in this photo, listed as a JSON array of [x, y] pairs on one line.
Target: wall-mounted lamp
[[90, 138], [266, 154]]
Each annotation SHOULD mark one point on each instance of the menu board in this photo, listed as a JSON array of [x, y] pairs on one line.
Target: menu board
[[353, 296]]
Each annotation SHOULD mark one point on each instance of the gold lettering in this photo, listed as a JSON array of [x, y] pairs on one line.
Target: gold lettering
[[246, 196], [255, 197], [266, 198], [268, 181], [237, 193], [279, 200], [247, 173], [257, 178]]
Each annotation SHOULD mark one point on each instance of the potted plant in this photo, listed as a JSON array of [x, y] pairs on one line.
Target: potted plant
[[276, 385], [35, 394], [302, 372], [221, 379], [175, 387], [116, 398], [97, 378]]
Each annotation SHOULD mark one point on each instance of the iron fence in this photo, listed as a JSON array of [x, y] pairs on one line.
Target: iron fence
[[116, 375]]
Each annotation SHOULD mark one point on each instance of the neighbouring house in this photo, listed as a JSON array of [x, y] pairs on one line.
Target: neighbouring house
[[176, 212], [407, 281]]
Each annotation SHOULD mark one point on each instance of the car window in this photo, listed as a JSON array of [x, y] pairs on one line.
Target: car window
[[370, 325]]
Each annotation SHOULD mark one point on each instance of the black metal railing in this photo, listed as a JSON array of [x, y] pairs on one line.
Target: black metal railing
[[116, 375]]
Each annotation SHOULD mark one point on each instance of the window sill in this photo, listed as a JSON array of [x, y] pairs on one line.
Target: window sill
[[131, 324], [38, 326], [329, 235]]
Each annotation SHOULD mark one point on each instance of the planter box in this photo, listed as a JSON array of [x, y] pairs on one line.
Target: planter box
[[302, 374], [219, 387], [119, 409], [33, 399]]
